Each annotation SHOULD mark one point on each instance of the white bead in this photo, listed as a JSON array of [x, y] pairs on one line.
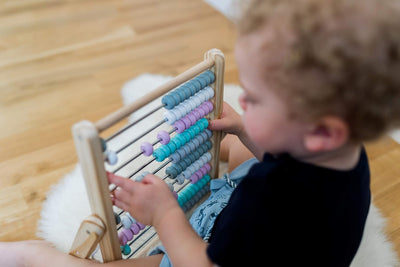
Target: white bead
[[112, 157], [126, 222], [169, 117]]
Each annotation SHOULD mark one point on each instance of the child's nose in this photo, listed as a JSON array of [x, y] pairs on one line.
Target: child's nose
[[242, 102]]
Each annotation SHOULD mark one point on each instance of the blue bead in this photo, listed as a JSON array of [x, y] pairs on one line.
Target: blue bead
[[196, 84], [186, 89], [192, 87], [211, 75], [176, 97], [182, 94], [168, 101], [202, 81]]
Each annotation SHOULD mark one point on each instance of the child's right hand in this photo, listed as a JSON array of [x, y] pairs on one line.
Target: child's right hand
[[230, 121], [147, 201]]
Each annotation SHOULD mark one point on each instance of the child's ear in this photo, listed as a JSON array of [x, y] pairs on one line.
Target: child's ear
[[328, 133]]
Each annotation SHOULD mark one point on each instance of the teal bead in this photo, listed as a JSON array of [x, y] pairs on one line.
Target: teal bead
[[186, 136], [126, 250], [103, 144]]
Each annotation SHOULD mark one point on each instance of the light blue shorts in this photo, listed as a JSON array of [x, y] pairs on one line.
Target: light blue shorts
[[202, 219]]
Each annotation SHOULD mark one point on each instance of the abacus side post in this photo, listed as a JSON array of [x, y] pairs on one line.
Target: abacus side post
[[91, 160], [219, 68]]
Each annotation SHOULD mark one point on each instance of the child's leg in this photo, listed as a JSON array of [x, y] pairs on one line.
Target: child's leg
[[40, 253], [234, 152]]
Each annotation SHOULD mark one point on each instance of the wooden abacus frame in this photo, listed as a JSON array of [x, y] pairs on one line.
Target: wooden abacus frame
[[101, 226]]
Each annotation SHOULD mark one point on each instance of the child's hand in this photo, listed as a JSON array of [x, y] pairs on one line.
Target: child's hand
[[230, 121], [147, 201]]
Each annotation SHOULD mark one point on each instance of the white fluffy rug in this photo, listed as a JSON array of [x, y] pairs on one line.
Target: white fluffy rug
[[67, 204]]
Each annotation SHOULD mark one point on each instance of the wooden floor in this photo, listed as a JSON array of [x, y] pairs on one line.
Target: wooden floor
[[62, 61]]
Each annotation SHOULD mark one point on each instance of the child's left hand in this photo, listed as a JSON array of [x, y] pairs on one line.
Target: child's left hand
[[147, 201]]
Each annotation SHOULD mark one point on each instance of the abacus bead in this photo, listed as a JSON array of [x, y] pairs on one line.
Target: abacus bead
[[112, 158], [176, 97], [146, 148], [117, 218], [187, 122], [168, 101], [171, 147], [175, 194], [172, 171], [169, 117], [182, 94], [126, 250], [164, 137], [175, 157], [103, 144], [128, 233], [141, 226], [210, 74], [197, 84], [126, 222], [210, 105], [159, 155], [208, 144], [141, 176], [128, 214], [187, 91], [180, 126], [122, 239], [135, 229], [191, 87], [180, 179], [192, 118]]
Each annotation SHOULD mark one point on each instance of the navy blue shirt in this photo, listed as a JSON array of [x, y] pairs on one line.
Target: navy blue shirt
[[290, 213]]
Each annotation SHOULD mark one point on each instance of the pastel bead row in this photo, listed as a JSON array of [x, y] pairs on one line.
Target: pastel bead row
[[193, 116], [171, 116], [188, 89], [192, 145], [126, 235], [174, 169], [164, 151], [196, 198], [194, 167], [191, 190]]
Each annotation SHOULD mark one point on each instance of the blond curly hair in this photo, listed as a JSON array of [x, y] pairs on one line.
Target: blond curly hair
[[342, 58]]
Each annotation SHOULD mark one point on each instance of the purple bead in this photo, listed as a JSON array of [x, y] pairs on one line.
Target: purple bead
[[192, 118], [128, 233], [180, 126], [141, 226], [186, 121], [197, 114], [209, 105], [208, 167], [163, 136], [122, 239], [135, 229], [146, 148]]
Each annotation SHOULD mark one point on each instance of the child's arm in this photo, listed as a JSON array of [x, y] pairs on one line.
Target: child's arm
[[231, 122], [151, 202]]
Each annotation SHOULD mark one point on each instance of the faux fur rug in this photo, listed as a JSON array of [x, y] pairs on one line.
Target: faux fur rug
[[67, 204]]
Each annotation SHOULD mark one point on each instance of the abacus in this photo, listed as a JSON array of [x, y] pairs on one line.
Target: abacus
[[186, 151]]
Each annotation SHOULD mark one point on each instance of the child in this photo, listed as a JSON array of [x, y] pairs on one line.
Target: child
[[319, 78]]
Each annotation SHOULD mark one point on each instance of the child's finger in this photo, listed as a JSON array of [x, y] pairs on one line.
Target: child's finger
[[122, 195], [120, 181]]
